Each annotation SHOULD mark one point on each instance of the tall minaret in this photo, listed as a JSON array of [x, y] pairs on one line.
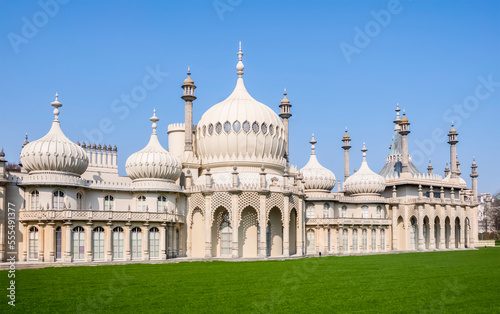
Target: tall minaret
[[404, 131], [429, 168], [346, 140], [452, 140], [474, 176], [188, 97], [285, 115]]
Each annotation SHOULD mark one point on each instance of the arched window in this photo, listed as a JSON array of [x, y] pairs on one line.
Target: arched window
[[271, 129], [118, 242], [379, 212], [204, 130], [255, 127], [109, 202], [345, 240], [311, 247], [210, 129], [58, 200], [226, 232], [79, 200], [35, 200], [246, 126], [161, 204], [310, 211], [141, 203], [136, 243], [364, 240], [263, 128], [374, 240], [355, 240], [382, 239], [227, 126], [78, 243], [364, 211], [33, 244], [154, 242], [344, 211], [98, 243], [326, 210], [58, 243], [236, 126], [218, 128]]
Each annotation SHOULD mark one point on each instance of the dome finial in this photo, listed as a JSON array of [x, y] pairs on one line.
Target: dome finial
[[364, 150], [56, 104], [313, 141], [189, 72], [154, 119], [240, 67]]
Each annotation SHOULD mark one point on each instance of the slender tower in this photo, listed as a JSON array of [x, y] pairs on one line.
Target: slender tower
[[404, 131], [346, 140], [285, 115], [452, 140], [188, 96], [474, 176], [429, 168]]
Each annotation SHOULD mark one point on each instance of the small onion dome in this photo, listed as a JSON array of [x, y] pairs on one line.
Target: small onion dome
[[364, 181], [153, 161], [404, 120], [285, 101], [54, 151], [453, 131], [346, 136], [315, 175], [188, 80]]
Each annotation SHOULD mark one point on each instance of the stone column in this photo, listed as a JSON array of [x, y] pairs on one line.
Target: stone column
[[50, 235], [163, 241], [301, 228], [67, 254], [262, 226], [379, 239], [235, 224], [41, 242], [442, 233], [395, 228], [317, 239], [145, 242], [420, 228], [432, 244], [88, 242], [208, 226], [126, 242], [170, 240], [452, 233], [108, 244], [286, 227]]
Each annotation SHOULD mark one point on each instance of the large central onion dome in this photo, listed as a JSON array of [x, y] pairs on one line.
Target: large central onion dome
[[54, 152], [241, 129], [317, 177], [153, 162], [365, 181]]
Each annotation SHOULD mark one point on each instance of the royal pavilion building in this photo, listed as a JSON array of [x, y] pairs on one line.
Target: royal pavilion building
[[224, 188]]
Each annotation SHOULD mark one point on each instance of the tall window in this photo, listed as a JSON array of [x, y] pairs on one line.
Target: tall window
[[382, 239], [364, 240], [364, 212], [310, 211], [33, 244], [154, 242], [374, 240], [310, 241], [118, 242], [35, 200], [58, 243], [344, 211], [109, 202], [355, 240], [99, 243], [58, 200], [225, 235], [162, 204], [326, 210], [78, 243], [136, 243], [379, 212], [141, 203], [345, 240], [79, 200]]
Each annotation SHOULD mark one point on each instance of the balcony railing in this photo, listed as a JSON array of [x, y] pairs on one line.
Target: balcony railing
[[349, 221]]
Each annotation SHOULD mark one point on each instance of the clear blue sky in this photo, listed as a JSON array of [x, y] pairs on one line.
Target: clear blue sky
[[432, 57]]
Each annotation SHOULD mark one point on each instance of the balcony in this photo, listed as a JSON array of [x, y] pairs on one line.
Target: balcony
[[349, 221]]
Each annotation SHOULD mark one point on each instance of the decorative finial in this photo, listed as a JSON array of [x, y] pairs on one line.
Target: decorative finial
[[189, 71], [397, 111], [154, 119], [284, 93], [474, 158], [346, 130], [429, 161], [240, 67], [56, 104], [313, 147], [404, 112], [364, 150], [2, 155]]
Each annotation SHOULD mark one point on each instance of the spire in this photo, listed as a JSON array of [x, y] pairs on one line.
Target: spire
[[364, 150], [429, 167], [154, 119], [2, 156], [285, 100], [25, 140], [240, 67], [56, 104], [397, 114], [313, 141]]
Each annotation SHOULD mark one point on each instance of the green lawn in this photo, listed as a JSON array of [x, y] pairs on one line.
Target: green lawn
[[462, 281]]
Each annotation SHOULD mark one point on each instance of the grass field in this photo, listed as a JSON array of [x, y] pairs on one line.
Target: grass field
[[461, 281]]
